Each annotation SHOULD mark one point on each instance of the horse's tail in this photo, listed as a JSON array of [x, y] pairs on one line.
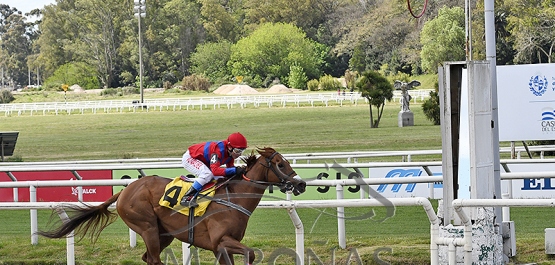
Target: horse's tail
[[87, 219]]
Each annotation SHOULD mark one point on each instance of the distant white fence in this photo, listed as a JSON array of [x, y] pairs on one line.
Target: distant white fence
[[188, 103]]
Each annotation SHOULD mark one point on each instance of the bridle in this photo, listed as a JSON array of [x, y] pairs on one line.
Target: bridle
[[284, 178]]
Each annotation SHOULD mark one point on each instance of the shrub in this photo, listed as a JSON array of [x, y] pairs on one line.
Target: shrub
[[297, 77], [15, 158], [544, 142], [313, 85], [109, 92], [196, 83], [167, 85], [6, 96], [351, 78], [328, 83], [130, 90], [74, 73], [431, 108]]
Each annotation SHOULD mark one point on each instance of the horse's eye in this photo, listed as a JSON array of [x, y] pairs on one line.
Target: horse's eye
[[280, 166]]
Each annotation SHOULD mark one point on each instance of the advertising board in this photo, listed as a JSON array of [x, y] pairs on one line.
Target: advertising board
[[58, 194], [526, 100]]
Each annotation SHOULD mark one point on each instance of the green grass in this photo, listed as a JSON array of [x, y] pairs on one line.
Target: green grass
[[169, 133], [404, 237]]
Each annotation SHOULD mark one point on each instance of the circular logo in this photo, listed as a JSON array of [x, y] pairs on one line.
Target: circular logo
[[538, 85]]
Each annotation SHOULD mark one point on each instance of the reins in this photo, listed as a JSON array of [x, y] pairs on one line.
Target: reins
[[268, 167], [274, 169]]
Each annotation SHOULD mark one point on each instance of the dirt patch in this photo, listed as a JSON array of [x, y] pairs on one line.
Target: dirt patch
[[276, 89], [235, 90]]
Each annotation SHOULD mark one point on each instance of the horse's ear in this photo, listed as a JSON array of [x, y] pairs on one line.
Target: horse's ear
[[262, 151]]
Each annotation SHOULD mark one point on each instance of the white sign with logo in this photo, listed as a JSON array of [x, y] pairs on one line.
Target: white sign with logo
[[406, 190], [526, 100], [521, 188]]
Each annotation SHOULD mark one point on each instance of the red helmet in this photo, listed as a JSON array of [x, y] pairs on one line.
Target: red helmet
[[237, 140]]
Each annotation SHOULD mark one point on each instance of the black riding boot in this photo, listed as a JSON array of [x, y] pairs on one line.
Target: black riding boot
[[190, 198]]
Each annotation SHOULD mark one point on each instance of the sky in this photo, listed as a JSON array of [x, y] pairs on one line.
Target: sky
[[27, 5]]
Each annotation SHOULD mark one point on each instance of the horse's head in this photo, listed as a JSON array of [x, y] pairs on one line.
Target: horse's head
[[278, 170]]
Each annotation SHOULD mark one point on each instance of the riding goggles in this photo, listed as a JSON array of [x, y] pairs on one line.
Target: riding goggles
[[238, 150]]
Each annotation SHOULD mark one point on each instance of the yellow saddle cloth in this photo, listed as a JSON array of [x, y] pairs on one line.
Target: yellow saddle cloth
[[175, 190]]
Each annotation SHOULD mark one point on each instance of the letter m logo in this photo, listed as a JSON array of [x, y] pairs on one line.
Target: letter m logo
[[401, 173]]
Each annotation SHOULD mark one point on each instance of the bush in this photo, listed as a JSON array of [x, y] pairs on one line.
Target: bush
[[328, 83], [544, 142], [196, 83], [431, 108], [130, 90], [297, 77], [313, 85], [351, 78], [15, 158], [109, 92], [6, 96], [74, 73], [167, 85]]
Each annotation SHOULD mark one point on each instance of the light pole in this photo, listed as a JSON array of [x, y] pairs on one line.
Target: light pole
[[140, 11]]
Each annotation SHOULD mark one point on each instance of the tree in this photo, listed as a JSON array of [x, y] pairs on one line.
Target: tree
[[504, 40], [83, 31], [100, 23], [210, 60], [174, 31], [443, 39], [376, 89], [532, 30], [222, 19], [15, 45], [271, 50], [309, 15], [58, 31]]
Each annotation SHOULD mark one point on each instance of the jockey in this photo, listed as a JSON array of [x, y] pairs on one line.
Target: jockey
[[205, 160]]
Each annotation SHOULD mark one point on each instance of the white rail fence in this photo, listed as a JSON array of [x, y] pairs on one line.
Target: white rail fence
[[290, 206], [240, 101], [295, 158]]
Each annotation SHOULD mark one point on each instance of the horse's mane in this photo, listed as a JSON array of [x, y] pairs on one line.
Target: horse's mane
[[251, 159]]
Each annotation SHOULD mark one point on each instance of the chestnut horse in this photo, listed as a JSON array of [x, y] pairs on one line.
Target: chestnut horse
[[220, 229]]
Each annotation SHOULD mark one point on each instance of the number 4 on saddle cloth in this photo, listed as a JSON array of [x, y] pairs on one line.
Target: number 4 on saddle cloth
[[174, 191]]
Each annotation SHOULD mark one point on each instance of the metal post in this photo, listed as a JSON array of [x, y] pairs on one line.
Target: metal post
[[33, 213], [340, 218], [140, 11], [70, 239], [140, 62], [491, 57]]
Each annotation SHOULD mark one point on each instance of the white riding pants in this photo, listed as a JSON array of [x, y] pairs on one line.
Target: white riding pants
[[197, 168]]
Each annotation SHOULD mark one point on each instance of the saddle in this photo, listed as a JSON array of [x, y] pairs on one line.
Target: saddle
[[176, 189]]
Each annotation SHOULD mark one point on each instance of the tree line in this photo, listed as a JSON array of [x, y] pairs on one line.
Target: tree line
[[94, 43]]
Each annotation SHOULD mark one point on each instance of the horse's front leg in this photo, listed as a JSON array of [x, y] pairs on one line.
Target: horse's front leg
[[229, 246]]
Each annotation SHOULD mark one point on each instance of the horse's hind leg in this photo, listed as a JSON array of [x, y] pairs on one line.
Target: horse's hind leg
[[152, 241], [229, 246], [152, 253], [165, 239]]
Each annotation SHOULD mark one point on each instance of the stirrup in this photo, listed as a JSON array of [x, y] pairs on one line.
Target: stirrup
[[190, 201]]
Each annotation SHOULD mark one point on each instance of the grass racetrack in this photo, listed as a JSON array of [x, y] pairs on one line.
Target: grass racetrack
[[400, 239]]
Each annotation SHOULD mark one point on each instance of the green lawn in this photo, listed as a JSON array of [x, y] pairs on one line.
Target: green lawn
[[404, 238], [169, 133]]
